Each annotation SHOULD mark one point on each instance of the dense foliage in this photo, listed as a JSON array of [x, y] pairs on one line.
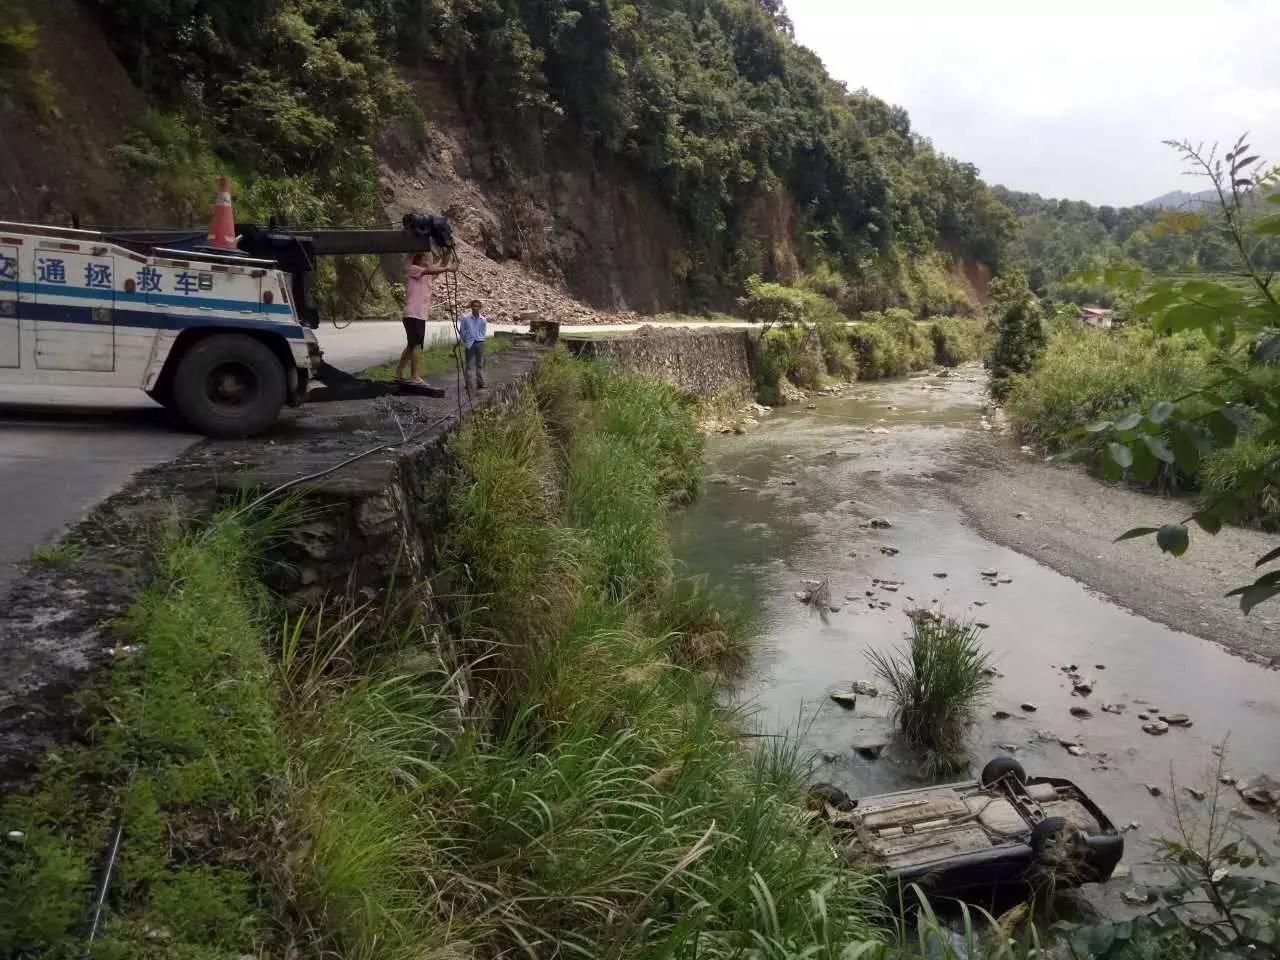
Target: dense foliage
[[1019, 334], [711, 102], [1056, 239]]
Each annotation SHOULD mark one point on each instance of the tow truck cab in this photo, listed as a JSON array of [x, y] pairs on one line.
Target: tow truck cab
[[214, 337]]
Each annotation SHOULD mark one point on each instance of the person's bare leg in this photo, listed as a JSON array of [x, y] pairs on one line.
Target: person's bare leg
[[404, 358], [415, 354]]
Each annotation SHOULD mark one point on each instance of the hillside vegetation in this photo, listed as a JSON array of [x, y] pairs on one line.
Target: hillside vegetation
[[767, 164]]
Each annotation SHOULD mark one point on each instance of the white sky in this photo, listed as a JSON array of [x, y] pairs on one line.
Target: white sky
[[1063, 99]]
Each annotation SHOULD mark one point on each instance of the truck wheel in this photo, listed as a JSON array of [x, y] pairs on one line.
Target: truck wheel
[[229, 386], [999, 768]]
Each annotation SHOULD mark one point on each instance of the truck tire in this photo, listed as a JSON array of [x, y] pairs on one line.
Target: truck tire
[[1049, 838], [229, 386]]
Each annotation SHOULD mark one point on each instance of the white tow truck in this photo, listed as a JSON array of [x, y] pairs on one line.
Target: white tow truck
[[222, 337]]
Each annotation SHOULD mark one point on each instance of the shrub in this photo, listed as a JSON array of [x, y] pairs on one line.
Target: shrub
[[828, 282], [1249, 470], [879, 354], [1019, 333], [936, 684], [837, 351], [1085, 375], [956, 340]]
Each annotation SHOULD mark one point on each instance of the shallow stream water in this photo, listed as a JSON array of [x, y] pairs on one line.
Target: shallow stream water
[[792, 501]]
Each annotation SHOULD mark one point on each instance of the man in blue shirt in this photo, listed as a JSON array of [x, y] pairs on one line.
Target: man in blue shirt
[[472, 330]]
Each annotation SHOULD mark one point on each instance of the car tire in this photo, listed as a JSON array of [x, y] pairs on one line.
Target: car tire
[[1047, 837], [229, 386], [999, 768]]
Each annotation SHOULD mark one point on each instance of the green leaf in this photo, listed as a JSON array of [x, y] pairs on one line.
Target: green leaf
[[1256, 595], [1159, 449], [1157, 301], [1128, 421], [1161, 411], [1268, 557], [1173, 538], [1145, 466], [1120, 455], [1268, 226], [1208, 521], [1097, 426], [1224, 429], [1135, 533], [1186, 448], [1187, 316]]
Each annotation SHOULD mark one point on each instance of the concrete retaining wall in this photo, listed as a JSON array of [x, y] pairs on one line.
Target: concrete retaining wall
[[706, 363]]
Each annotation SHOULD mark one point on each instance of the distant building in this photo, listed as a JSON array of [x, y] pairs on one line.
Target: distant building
[[1099, 317]]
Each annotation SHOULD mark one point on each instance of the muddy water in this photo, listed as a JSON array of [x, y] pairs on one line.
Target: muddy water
[[791, 501]]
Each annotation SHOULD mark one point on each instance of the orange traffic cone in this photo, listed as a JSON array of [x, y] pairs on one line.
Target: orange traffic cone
[[222, 227]]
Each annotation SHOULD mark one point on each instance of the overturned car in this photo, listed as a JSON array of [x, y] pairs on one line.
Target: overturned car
[[1004, 832]]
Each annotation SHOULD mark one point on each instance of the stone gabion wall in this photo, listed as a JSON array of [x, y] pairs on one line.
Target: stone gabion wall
[[704, 363]]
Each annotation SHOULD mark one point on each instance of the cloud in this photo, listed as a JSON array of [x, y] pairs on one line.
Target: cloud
[[1066, 101]]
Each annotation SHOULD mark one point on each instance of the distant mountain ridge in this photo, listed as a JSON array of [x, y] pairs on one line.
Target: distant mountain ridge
[[1183, 200]]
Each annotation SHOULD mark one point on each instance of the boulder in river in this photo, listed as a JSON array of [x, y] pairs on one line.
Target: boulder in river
[[1194, 793], [1076, 750], [1081, 713], [846, 698], [1030, 707], [1155, 727], [889, 551], [1113, 708], [1261, 791], [990, 573], [1176, 719], [1153, 790], [864, 689], [879, 523], [940, 575], [1083, 686], [870, 750], [1001, 715]]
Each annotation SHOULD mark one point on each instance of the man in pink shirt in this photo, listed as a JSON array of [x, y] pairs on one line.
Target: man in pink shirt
[[419, 274]]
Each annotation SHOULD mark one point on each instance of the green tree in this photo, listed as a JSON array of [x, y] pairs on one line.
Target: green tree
[[1019, 334]]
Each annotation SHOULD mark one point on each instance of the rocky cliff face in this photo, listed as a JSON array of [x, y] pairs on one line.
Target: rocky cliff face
[[591, 231]]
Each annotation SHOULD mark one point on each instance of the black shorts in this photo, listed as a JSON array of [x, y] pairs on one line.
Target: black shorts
[[415, 331]]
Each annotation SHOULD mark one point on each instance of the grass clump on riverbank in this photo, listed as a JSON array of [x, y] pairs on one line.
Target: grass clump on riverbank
[[439, 359], [880, 346], [185, 750], [936, 681], [601, 804]]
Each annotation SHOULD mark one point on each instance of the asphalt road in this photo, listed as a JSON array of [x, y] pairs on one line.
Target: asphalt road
[[63, 451]]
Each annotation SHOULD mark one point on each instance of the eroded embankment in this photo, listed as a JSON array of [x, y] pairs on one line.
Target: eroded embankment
[[516, 747]]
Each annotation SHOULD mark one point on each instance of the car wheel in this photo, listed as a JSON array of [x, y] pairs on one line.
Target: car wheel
[[999, 768], [229, 386], [1049, 839], [826, 794]]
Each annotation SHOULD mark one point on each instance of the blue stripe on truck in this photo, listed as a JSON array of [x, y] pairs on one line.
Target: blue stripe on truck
[[164, 299], [65, 313]]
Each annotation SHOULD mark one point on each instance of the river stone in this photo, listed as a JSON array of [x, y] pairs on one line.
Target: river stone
[[1030, 707], [869, 751], [1121, 872], [1261, 791], [1194, 793], [1135, 897], [1113, 708], [1005, 580], [1083, 686], [1076, 750], [1176, 719], [940, 575], [1007, 747], [982, 626], [1081, 713], [1001, 715], [889, 551], [1155, 727], [833, 608], [879, 523], [802, 596], [979, 603], [1144, 716], [846, 698], [1154, 790], [991, 573], [864, 689], [788, 483]]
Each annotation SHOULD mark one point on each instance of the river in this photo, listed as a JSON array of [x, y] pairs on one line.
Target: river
[[793, 500]]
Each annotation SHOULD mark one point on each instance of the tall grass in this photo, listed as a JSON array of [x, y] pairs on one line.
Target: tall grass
[[936, 682], [603, 805], [1087, 374]]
